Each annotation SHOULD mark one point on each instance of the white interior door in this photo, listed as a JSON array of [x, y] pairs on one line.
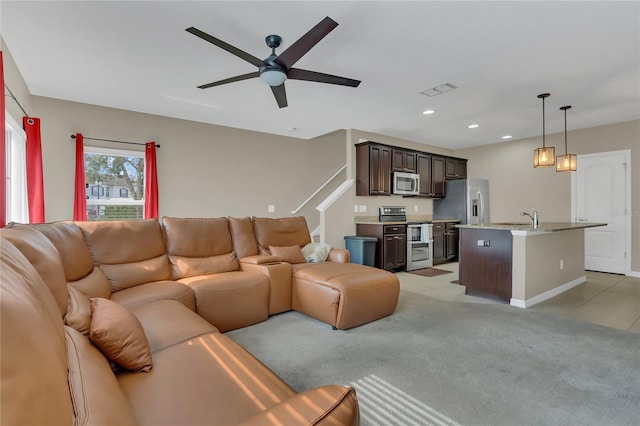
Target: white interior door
[[599, 194]]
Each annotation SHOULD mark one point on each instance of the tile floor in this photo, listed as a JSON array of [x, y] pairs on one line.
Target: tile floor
[[606, 299]]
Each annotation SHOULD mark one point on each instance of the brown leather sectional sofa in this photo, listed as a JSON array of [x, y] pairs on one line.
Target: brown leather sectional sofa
[[72, 355]]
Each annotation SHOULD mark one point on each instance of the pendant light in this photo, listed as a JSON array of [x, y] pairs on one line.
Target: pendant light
[[566, 162], [544, 157]]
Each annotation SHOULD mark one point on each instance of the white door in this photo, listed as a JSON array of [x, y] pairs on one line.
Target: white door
[[599, 194]]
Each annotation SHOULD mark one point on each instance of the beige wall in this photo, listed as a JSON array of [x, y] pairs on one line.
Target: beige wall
[[516, 186], [203, 170], [536, 262]]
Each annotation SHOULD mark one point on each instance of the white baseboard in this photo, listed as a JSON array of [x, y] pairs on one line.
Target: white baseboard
[[519, 303], [634, 274]]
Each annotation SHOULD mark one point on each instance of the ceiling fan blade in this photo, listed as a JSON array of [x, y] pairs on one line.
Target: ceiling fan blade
[[226, 46], [231, 80], [298, 74], [306, 42], [280, 95]]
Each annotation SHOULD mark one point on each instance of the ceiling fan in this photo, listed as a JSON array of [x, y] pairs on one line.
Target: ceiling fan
[[275, 69]]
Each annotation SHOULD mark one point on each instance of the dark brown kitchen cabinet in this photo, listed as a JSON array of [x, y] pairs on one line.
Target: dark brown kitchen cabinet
[[423, 163], [437, 176], [455, 168], [373, 169], [445, 242], [452, 236], [486, 269], [403, 160], [391, 248]]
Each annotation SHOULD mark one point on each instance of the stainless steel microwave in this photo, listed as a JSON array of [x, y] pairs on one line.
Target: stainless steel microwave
[[406, 183]]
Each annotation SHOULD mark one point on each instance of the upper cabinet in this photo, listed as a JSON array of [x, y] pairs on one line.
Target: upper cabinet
[[437, 176], [456, 168], [375, 164], [403, 160], [424, 170], [373, 169]]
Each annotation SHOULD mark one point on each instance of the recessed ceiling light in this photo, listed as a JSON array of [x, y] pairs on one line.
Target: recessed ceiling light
[[428, 111], [507, 137], [473, 126]]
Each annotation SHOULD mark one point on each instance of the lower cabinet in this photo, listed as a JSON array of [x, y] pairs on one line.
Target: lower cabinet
[[391, 248], [445, 242]]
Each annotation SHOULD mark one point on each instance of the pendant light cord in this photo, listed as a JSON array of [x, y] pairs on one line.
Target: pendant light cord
[[543, 130], [565, 108]]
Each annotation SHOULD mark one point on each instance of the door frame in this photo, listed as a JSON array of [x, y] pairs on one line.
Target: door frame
[[627, 215]]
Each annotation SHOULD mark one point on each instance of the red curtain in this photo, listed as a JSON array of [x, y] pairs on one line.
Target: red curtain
[[35, 180], [150, 182], [80, 198], [3, 152]]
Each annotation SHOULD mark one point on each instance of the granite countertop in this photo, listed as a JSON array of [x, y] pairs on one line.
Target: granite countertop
[[542, 226]]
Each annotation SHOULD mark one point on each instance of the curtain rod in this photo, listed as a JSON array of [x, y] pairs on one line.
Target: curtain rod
[[12, 96], [111, 140]]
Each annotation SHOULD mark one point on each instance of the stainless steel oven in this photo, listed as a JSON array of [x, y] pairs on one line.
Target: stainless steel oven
[[419, 246]]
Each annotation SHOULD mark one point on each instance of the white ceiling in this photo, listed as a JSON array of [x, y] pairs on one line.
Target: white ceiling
[[137, 56]]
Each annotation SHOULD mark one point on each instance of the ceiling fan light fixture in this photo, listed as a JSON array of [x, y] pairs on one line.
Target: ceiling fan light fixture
[[273, 77]]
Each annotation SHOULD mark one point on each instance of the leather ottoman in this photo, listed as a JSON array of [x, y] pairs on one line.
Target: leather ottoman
[[344, 295]]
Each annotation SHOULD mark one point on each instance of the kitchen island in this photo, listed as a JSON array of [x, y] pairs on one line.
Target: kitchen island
[[520, 264]]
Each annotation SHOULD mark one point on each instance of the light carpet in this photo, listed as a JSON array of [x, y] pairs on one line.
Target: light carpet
[[476, 364]]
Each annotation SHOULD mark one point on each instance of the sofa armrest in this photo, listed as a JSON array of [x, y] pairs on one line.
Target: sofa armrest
[[260, 259], [339, 256], [331, 404]]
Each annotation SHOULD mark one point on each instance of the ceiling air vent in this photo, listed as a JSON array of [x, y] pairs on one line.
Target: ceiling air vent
[[438, 90]]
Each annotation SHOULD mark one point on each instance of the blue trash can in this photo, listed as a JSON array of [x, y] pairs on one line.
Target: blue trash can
[[362, 249]]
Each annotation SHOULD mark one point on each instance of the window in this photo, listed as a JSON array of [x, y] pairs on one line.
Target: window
[[16, 179], [114, 171]]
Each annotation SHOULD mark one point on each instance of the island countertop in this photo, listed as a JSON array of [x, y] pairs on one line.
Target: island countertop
[[528, 227]]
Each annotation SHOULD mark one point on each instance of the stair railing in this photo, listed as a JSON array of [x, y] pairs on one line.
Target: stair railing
[[328, 181]]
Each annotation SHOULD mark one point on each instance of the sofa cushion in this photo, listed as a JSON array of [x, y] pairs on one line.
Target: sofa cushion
[[67, 238], [199, 246], [244, 239], [209, 380], [291, 254], [159, 290], [34, 357], [168, 322], [231, 300], [119, 335], [284, 232], [79, 269], [125, 275], [95, 284], [330, 405], [78, 314], [97, 397], [129, 252], [44, 257]]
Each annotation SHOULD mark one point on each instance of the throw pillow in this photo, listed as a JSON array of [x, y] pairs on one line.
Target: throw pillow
[[119, 335], [78, 311], [291, 254], [316, 252]]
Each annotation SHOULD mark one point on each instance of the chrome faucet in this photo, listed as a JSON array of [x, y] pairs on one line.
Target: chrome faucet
[[534, 217]]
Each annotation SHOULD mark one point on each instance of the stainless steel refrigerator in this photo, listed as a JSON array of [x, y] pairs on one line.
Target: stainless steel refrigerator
[[466, 200]]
